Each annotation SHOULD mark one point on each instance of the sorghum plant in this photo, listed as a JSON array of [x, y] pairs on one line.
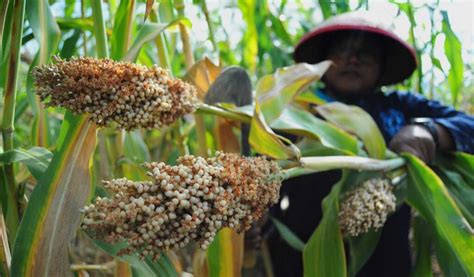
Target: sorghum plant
[[131, 95], [367, 207], [192, 200]]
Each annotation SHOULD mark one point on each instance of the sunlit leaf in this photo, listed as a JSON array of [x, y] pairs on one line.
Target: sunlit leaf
[[44, 27], [428, 195], [225, 254], [148, 32], [453, 50], [53, 213], [250, 39], [265, 141], [123, 27], [202, 74], [149, 8], [5, 255], [36, 159], [309, 97], [356, 121], [325, 8], [299, 122], [85, 24], [275, 91], [456, 172]]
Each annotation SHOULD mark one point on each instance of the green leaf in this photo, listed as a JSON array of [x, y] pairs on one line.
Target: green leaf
[[453, 51], [52, 216], [360, 250], [44, 27], [4, 16], [300, 122], [456, 172], [147, 267], [428, 195], [149, 32], [224, 255], [36, 159], [121, 35], [250, 39], [325, 8], [69, 46], [423, 237], [275, 91], [288, 235], [356, 121], [265, 141], [324, 254], [280, 29], [84, 24], [135, 147]]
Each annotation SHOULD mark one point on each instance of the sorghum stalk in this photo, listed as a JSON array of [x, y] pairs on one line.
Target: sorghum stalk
[[99, 29], [3, 16], [209, 109], [350, 162], [8, 128], [189, 62], [84, 34], [209, 25], [161, 47]]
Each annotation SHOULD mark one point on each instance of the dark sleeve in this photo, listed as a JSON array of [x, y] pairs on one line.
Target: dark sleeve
[[459, 124]]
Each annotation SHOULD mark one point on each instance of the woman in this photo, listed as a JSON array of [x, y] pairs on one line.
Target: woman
[[367, 56]]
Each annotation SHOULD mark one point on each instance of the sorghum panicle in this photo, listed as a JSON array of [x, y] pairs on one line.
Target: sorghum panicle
[[131, 95], [192, 200], [367, 207]]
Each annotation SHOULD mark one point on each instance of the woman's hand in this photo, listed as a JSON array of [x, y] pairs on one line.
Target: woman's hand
[[414, 139]]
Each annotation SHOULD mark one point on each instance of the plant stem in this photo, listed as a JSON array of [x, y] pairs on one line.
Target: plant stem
[[84, 34], [3, 16], [209, 109], [161, 45], [188, 52], [350, 162], [9, 114], [295, 172], [183, 150], [209, 25], [189, 62], [99, 29]]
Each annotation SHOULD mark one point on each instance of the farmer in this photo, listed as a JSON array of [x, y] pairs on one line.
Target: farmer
[[366, 56]]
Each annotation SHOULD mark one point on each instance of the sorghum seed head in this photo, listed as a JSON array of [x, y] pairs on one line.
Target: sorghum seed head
[[237, 192], [367, 207], [112, 92]]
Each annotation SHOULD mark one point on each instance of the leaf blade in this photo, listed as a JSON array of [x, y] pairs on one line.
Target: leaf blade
[[428, 195], [60, 193]]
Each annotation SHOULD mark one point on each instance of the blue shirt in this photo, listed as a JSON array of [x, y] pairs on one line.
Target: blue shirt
[[393, 111]]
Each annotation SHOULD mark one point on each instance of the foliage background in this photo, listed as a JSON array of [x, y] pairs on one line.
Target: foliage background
[[257, 35]]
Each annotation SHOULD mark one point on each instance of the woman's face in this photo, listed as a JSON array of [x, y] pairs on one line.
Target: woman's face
[[357, 64]]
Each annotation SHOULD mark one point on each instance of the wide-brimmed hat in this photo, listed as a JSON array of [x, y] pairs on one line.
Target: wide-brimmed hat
[[400, 57]]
